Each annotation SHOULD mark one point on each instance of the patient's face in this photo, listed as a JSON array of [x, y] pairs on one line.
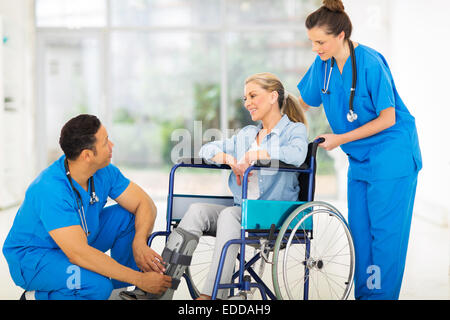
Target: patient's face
[[258, 101]]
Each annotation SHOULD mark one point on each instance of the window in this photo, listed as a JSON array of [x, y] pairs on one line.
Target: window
[[71, 14], [165, 13], [150, 67]]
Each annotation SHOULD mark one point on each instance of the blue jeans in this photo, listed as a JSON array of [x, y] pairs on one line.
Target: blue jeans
[[58, 279]]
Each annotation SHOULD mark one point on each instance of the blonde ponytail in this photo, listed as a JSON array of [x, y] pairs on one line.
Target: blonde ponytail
[[293, 109]]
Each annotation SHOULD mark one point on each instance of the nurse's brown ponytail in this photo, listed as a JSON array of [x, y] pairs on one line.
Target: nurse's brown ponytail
[[332, 17]]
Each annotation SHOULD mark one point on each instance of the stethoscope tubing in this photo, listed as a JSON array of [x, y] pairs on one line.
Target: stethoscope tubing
[[80, 208], [351, 116]]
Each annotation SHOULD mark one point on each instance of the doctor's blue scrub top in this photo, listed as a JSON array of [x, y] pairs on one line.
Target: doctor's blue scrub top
[[391, 153], [49, 204]]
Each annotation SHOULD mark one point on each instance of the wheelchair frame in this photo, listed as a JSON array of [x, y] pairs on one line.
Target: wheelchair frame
[[244, 283]]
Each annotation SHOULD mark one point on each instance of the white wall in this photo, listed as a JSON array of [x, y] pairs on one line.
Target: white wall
[[413, 36], [17, 147]]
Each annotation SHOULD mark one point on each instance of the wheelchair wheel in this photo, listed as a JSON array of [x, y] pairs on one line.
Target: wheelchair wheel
[[198, 271], [314, 256]]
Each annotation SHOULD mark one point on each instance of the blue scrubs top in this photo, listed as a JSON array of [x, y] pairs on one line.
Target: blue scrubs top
[[391, 153], [49, 204]]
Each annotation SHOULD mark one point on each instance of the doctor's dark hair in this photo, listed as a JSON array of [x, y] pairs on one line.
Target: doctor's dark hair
[[332, 17], [287, 102], [78, 134]]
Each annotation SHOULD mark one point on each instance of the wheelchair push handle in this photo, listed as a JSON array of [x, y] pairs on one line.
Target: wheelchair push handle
[[319, 140], [315, 144]]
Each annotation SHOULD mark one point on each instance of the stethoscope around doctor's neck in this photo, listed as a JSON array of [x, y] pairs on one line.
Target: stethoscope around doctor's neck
[[94, 199], [351, 116]]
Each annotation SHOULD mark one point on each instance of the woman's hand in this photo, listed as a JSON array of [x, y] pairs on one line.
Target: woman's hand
[[237, 167], [239, 171], [255, 155], [247, 160], [331, 142]]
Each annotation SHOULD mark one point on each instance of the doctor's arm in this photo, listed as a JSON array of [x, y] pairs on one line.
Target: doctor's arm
[[136, 201], [386, 119], [73, 242]]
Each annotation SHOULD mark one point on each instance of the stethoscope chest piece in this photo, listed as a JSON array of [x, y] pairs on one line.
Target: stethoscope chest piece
[[94, 198], [352, 116]]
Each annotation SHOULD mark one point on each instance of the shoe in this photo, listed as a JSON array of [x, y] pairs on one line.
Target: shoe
[[137, 294], [28, 295]]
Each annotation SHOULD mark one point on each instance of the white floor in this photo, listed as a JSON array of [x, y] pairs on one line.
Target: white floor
[[426, 275]]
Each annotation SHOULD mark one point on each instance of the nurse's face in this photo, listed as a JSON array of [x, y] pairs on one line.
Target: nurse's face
[[103, 147], [258, 101], [325, 45]]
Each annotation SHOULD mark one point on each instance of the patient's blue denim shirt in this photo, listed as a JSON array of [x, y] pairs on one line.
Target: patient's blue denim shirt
[[287, 142]]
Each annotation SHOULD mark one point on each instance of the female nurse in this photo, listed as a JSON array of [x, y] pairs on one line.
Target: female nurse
[[379, 136]]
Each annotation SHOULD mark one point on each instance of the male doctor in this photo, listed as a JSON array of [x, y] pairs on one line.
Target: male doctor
[[55, 248]]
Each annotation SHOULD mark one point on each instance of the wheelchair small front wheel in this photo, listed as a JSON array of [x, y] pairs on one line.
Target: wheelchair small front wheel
[[314, 256], [198, 271]]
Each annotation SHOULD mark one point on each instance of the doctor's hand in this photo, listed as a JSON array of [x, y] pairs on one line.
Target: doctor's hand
[[331, 142], [153, 282], [146, 258]]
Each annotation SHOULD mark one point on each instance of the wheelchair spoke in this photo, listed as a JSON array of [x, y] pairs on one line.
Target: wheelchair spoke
[[330, 240], [334, 262], [330, 287], [201, 270], [337, 253], [327, 258], [333, 243], [327, 276]]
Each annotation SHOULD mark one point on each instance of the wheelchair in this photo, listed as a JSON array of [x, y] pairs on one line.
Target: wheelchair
[[310, 243]]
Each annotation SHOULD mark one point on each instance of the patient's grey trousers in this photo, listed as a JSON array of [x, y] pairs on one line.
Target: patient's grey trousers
[[226, 223]]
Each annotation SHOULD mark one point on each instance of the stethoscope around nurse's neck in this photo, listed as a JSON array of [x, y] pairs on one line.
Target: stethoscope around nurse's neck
[[93, 198], [351, 116]]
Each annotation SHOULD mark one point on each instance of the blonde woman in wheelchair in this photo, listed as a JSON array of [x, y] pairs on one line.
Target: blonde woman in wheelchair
[[281, 134]]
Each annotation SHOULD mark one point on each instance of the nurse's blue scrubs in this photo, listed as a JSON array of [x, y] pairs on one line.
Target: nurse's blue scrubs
[[383, 168], [36, 263]]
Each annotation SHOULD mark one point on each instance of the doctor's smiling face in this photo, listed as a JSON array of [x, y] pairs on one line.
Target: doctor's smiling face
[[324, 44]]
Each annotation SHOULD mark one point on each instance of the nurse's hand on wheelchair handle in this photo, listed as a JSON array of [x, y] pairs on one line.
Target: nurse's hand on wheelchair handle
[[154, 282], [330, 141], [319, 140]]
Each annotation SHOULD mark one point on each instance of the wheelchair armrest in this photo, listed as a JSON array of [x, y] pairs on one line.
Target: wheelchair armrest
[[202, 162], [312, 150], [279, 164]]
